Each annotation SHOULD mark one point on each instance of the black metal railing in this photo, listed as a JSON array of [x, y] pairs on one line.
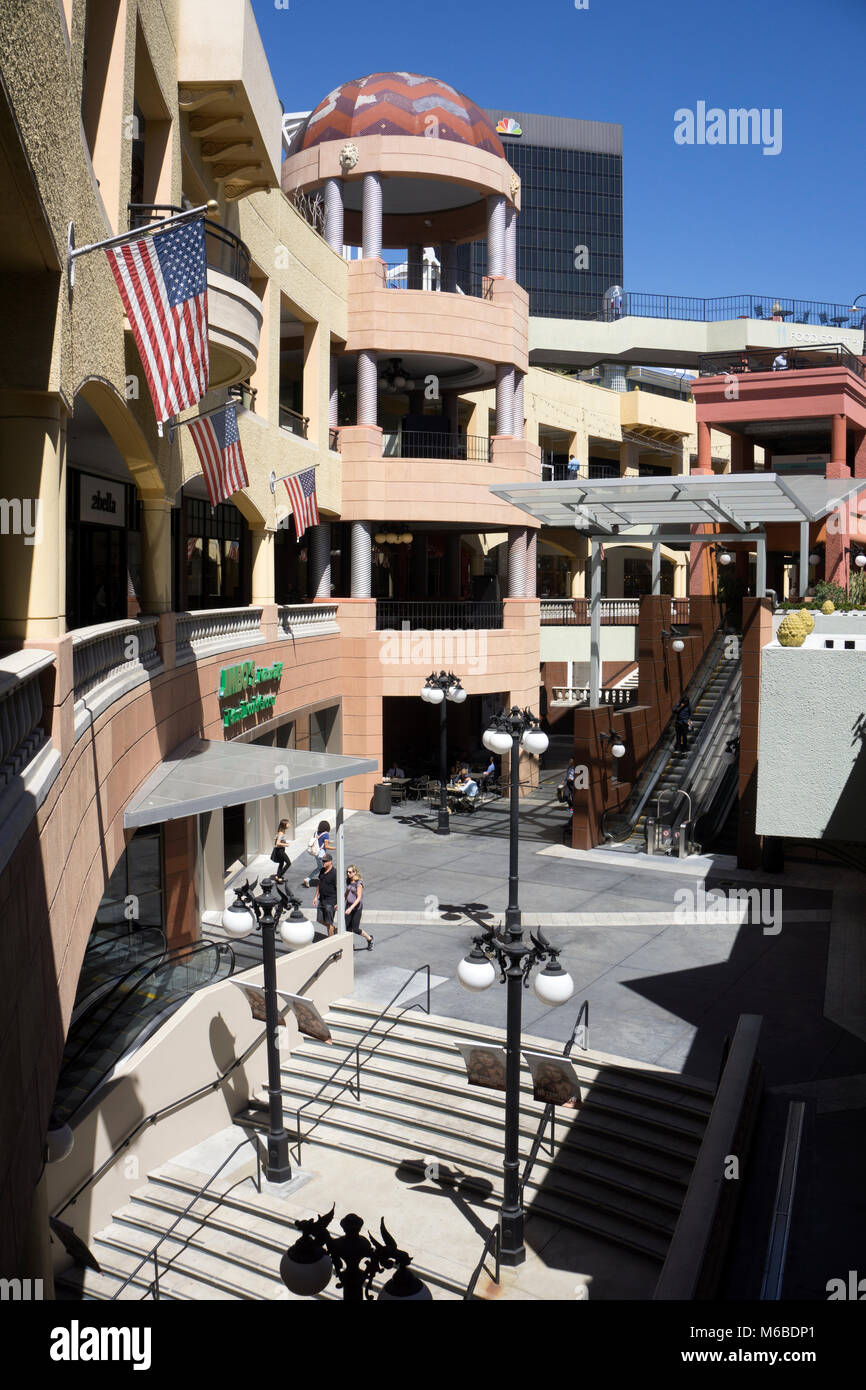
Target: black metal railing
[[225, 251], [399, 277], [555, 469], [815, 313], [780, 359], [334, 439], [438, 615], [294, 422], [430, 444], [352, 1083]]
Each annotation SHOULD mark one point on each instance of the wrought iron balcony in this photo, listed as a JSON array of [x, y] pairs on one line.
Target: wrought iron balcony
[[225, 251], [781, 359], [293, 422], [445, 615], [430, 444]]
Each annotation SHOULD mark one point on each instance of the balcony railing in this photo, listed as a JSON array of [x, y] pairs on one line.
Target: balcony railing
[[574, 612], [782, 359], [225, 251], [295, 423], [216, 629], [819, 313], [21, 732], [555, 469], [112, 651], [579, 695], [296, 620], [444, 615], [430, 444], [398, 277]]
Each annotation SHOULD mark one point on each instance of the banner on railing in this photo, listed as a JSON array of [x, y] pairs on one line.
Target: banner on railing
[[307, 1016], [485, 1066], [554, 1080]]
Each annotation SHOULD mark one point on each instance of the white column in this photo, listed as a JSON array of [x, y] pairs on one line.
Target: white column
[[511, 241], [368, 386], [371, 217], [340, 865], [761, 566], [517, 408], [320, 560], [531, 562], [657, 568], [211, 862], [516, 562], [496, 234], [334, 215], [804, 558], [594, 623], [504, 399], [362, 559], [333, 395]]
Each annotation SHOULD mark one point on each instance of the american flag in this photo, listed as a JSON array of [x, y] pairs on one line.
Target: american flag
[[218, 446], [301, 488], [162, 280]]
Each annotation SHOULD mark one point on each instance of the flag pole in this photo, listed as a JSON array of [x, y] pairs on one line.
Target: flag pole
[[73, 251], [273, 479]]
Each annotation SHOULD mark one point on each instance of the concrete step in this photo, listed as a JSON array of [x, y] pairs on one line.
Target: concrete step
[[445, 1089]]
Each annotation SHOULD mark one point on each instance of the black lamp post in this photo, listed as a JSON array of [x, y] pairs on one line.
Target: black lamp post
[[307, 1266], [436, 690], [552, 986], [245, 914], [508, 733]]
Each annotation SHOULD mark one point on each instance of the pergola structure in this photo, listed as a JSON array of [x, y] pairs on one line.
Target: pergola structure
[[657, 511]]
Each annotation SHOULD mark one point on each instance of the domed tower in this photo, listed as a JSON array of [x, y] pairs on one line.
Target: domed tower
[[406, 164]]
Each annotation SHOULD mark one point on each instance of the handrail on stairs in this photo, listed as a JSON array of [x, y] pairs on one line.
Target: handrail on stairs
[[155, 1115], [581, 1028], [356, 1049]]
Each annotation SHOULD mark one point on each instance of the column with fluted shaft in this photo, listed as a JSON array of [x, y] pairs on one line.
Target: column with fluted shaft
[[516, 562], [334, 215], [320, 560], [511, 241], [531, 587], [334, 394], [496, 234], [367, 388], [371, 216], [517, 409], [362, 559], [504, 399]]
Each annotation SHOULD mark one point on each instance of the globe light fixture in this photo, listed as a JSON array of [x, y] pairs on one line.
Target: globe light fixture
[[238, 921], [553, 985], [678, 645], [438, 689], [814, 559], [535, 741], [59, 1140], [476, 971], [307, 1267], [297, 931]]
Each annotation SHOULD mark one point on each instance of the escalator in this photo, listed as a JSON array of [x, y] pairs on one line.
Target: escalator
[[111, 954], [117, 1020], [676, 791]]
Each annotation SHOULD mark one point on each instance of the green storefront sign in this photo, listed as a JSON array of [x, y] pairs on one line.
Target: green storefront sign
[[242, 680]]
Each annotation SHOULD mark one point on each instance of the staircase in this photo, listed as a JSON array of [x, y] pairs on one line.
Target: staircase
[[617, 1179], [621, 1165]]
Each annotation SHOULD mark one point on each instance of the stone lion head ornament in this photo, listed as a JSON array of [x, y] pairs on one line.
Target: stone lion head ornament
[[348, 157]]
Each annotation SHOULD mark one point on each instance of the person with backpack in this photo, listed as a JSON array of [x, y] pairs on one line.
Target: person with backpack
[[279, 853], [683, 717], [317, 845]]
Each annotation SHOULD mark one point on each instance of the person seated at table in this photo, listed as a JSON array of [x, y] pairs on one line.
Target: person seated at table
[[780, 363], [466, 786], [490, 770], [395, 771]]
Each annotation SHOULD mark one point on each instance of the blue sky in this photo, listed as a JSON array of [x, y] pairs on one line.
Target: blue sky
[[702, 220]]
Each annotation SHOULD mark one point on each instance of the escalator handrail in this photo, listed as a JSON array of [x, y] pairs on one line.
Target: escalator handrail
[[649, 774], [99, 991], [192, 948], [709, 730]]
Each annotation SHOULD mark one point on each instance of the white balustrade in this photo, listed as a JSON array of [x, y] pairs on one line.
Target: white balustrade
[[297, 620], [209, 630], [21, 732], [112, 651]]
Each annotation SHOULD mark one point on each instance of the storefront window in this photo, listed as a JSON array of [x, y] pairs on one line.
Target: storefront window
[[215, 556]]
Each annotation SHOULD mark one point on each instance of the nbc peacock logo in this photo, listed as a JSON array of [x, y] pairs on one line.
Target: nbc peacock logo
[[508, 126]]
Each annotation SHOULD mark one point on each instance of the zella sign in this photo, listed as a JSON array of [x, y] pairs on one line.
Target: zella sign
[[242, 680]]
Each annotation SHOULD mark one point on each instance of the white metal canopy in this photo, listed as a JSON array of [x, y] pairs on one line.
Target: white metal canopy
[[740, 502]]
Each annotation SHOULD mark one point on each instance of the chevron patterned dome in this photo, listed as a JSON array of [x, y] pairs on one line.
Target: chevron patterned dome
[[397, 103]]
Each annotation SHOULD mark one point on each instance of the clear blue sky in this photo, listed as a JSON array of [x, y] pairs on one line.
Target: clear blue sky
[[702, 220]]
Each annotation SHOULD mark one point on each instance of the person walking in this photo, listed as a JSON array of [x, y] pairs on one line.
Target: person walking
[[325, 899], [318, 845], [683, 722], [355, 903], [569, 782], [279, 853]]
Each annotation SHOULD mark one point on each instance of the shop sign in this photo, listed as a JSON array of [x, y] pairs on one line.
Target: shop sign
[[242, 680], [101, 500]]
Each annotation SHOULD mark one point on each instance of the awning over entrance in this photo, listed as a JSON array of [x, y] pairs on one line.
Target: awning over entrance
[[740, 502], [202, 775]]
